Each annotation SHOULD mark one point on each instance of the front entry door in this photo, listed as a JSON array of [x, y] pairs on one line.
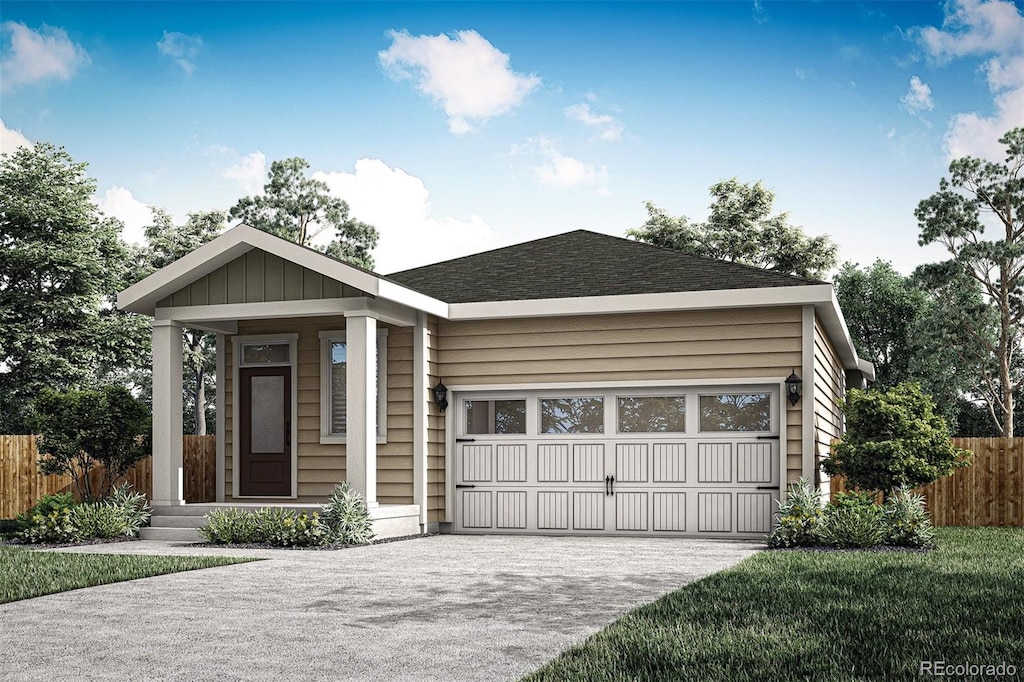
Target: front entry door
[[265, 448]]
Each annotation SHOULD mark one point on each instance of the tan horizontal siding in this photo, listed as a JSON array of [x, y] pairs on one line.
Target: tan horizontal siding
[[322, 466], [713, 345], [829, 392]]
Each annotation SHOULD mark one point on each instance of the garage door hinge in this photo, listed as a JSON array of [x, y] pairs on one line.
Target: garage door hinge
[[464, 485], [465, 440], [767, 437]]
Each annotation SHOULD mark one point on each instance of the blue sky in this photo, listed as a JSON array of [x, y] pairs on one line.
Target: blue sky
[[459, 127]]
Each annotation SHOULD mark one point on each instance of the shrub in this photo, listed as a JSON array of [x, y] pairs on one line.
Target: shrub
[[269, 525], [855, 524], [50, 520], [98, 520], [230, 526], [893, 438], [799, 516], [132, 506], [906, 520], [283, 528], [347, 516]]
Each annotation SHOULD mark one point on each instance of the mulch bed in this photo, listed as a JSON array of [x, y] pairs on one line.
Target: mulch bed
[[315, 548], [52, 545], [875, 549]]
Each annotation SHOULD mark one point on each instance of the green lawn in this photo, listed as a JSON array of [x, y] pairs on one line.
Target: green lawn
[[824, 616], [26, 573]]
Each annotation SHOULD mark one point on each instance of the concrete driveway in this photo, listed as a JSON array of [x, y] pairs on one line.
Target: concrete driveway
[[446, 607]]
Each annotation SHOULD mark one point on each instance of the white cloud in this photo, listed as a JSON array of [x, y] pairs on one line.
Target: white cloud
[[11, 139], [250, 171], [559, 171], [607, 127], [891, 134], [398, 205], [918, 97], [465, 74], [119, 203], [182, 48], [975, 28], [759, 14], [35, 56]]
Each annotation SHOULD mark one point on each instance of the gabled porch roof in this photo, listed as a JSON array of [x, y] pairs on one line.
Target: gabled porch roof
[[144, 296]]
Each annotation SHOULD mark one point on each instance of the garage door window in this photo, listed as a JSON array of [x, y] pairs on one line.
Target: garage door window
[[735, 412], [496, 416], [650, 414], [572, 415]]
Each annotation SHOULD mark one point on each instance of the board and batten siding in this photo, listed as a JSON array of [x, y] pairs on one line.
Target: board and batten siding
[[322, 466], [257, 277], [694, 345], [829, 392]]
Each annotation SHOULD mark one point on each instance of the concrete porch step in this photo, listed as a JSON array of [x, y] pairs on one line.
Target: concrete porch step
[[176, 521], [171, 534]]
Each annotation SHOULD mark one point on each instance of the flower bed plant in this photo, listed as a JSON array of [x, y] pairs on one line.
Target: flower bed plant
[[61, 519], [851, 520], [344, 520]]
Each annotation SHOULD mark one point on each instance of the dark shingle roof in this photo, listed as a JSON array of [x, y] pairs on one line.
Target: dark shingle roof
[[582, 263]]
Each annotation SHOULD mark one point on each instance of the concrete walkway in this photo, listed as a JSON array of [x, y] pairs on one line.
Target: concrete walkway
[[449, 607]]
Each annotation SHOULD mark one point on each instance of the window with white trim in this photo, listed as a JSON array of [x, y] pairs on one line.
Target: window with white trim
[[334, 381]]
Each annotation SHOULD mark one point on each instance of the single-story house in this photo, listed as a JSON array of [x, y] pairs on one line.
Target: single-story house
[[576, 384]]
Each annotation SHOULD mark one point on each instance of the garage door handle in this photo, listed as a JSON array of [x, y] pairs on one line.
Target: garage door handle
[[465, 440], [464, 485], [607, 486]]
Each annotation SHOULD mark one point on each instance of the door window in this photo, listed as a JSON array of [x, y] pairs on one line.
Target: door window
[[495, 416], [651, 414], [572, 415], [736, 412]]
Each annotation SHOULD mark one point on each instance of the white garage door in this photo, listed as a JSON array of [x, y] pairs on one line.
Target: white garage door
[[697, 462]]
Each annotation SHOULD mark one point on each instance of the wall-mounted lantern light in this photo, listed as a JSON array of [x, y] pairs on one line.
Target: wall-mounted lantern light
[[793, 385], [441, 395]]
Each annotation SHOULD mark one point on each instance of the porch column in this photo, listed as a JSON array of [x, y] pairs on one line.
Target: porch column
[[168, 485], [361, 404]]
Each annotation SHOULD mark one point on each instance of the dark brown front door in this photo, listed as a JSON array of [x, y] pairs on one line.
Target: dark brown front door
[[264, 434]]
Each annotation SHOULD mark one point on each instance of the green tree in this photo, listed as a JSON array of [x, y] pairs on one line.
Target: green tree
[[982, 194], [883, 311], [165, 244], [61, 264], [909, 334], [80, 430], [741, 229], [299, 208], [893, 438]]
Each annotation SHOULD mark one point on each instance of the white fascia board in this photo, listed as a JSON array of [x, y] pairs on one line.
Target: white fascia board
[[867, 369], [396, 292], [642, 303], [143, 296], [835, 324]]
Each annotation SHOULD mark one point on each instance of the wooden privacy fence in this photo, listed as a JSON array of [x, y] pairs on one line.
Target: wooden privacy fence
[[21, 484], [989, 492]]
